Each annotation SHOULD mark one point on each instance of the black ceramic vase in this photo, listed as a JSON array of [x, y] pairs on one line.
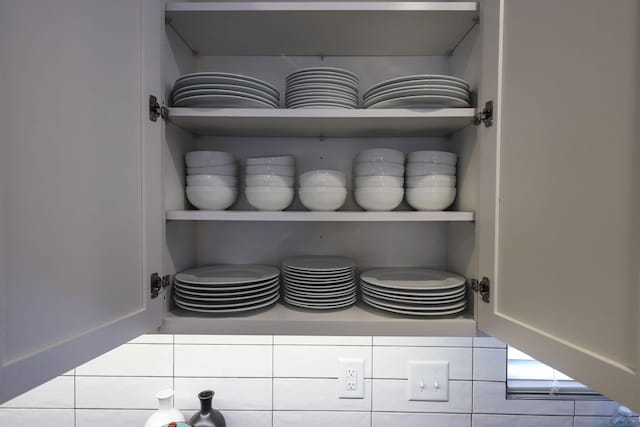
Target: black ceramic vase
[[207, 417]]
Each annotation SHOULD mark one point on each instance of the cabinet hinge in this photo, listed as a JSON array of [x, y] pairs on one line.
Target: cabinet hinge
[[485, 116], [156, 110], [483, 287], [158, 284]]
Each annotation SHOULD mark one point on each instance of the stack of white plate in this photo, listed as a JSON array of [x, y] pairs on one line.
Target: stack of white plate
[[269, 182], [223, 90], [322, 87], [414, 291], [319, 282], [421, 91], [431, 180], [379, 179], [212, 182], [323, 189], [227, 288]]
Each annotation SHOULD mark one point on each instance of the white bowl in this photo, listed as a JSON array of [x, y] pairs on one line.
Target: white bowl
[[272, 160], [379, 198], [323, 178], [381, 155], [378, 168], [271, 170], [433, 157], [270, 198], [211, 180], [323, 198], [269, 181], [420, 169], [379, 181], [195, 159], [228, 170], [431, 181], [431, 198], [212, 198]]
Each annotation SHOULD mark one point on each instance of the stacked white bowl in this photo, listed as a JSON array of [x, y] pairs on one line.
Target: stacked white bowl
[[379, 179], [212, 182], [431, 180], [269, 182], [323, 189]]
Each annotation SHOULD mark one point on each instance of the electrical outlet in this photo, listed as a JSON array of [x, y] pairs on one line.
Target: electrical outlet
[[351, 378], [428, 380]]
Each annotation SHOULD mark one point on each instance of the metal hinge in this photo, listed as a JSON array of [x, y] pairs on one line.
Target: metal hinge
[[156, 110], [483, 287], [485, 116], [158, 284]]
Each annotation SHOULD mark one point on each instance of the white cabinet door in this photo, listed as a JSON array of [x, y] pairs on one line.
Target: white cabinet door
[[559, 221], [80, 202]]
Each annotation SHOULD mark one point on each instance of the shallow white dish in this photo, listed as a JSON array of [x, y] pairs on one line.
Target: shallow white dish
[[226, 170], [272, 160], [412, 278], [190, 95], [322, 101], [322, 106], [202, 89], [222, 101], [428, 308], [323, 70], [421, 101], [322, 288], [320, 306], [420, 169], [416, 293], [269, 198], [422, 78], [313, 295], [379, 198], [195, 159], [303, 279], [211, 180], [443, 157], [270, 170], [381, 155], [324, 79], [226, 290], [312, 94], [431, 181], [334, 88], [253, 306], [318, 263], [419, 89], [379, 181], [212, 77], [322, 198], [378, 168], [261, 293], [422, 299], [403, 92], [450, 84], [226, 274], [413, 312], [431, 198], [269, 181], [320, 299], [323, 178], [212, 198]]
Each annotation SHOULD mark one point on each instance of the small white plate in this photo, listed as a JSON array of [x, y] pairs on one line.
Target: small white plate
[[318, 263], [326, 102], [224, 78], [300, 87], [224, 304], [320, 299], [425, 89], [221, 101], [322, 107], [421, 101], [319, 306], [319, 280], [230, 299], [195, 89], [319, 294], [214, 92], [421, 78], [423, 297], [317, 274], [413, 312], [323, 70], [320, 80], [417, 83], [229, 310], [214, 290], [397, 93], [321, 75], [228, 274], [320, 288], [414, 300], [226, 296], [321, 94], [412, 278], [415, 293], [295, 275], [416, 307]]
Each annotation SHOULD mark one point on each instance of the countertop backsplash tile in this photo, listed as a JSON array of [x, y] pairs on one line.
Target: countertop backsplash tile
[[289, 381]]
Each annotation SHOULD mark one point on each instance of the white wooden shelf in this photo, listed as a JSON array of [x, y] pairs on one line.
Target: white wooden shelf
[[285, 320], [322, 28], [321, 123], [287, 216]]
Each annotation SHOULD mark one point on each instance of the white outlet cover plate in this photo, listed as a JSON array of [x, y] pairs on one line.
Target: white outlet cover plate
[[428, 380], [350, 378]]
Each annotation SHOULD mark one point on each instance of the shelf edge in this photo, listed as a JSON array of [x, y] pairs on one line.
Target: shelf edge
[[304, 216]]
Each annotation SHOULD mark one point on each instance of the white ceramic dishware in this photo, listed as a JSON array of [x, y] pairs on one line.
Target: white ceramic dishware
[[195, 159], [431, 198], [323, 178], [263, 180], [443, 157], [422, 78], [322, 198], [272, 160], [211, 180], [378, 168], [421, 168], [379, 198], [227, 170], [206, 89], [270, 198], [267, 169], [226, 274], [381, 155], [431, 181], [211, 198], [420, 101], [223, 101], [379, 181]]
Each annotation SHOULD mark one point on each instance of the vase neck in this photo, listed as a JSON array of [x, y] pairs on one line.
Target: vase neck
[[205, 405], [165, 403]]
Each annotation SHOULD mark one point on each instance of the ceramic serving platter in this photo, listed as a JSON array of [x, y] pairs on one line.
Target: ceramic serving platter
[[222, 101], [228, 310], [421, 101], [411, 278], [229, 274], [224, 78]]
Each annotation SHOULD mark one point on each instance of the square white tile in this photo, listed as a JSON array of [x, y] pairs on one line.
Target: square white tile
[[224, 339], [111, 417], [392, 395], [391, 362], [153, 339], [120, 392], [315, 394], [35, 417], [423, 341], [246, 418], [321, 419], [590, 421], [57, 393], [144, 360], [489, 342], [490, 398], [520, 421], [223, 361], [230, 393], [320, 340], [489, 364], [316, 361], [401, 419]]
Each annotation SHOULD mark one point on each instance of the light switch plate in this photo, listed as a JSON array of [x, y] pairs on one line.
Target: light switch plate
[[350, 378], [428, 380]]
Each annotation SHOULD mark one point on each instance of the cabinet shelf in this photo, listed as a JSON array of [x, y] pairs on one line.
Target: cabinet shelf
[[321, 123], [322, 28], [285, 320], [398, 216]]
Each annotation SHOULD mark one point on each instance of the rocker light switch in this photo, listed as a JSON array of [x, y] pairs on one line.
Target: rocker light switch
[[428, 380]]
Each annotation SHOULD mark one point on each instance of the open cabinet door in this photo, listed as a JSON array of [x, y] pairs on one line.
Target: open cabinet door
[[559, 220], [80, 191]]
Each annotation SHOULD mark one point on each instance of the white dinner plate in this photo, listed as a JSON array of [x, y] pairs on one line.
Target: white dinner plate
[[321, 288], [419, 78], [322, 107], [320, 102], [320, 306], [415, 293], [412, 278], [318, 274], [414, 313], [321, 80], [200, 92], [224, 297], [223, 304], [396, 93], [411, 298], [299, 87], [295, 275], [224, 78], [223, 291], [314, 294], [423, 302], [319, 280], [421, 101], [324, 70], [228, 274], [416, 307], [313, 263], [311, 94], [229, 310], [221, 101], [246, 299], [417, 83], [238, 88], [311, 74]]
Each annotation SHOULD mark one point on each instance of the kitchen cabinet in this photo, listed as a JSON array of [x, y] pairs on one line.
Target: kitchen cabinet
[[93, 189]]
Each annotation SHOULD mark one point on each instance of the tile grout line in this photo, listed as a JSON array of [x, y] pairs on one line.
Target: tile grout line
[[75, 404], [273, 363], [371, 388], [173, 372]]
